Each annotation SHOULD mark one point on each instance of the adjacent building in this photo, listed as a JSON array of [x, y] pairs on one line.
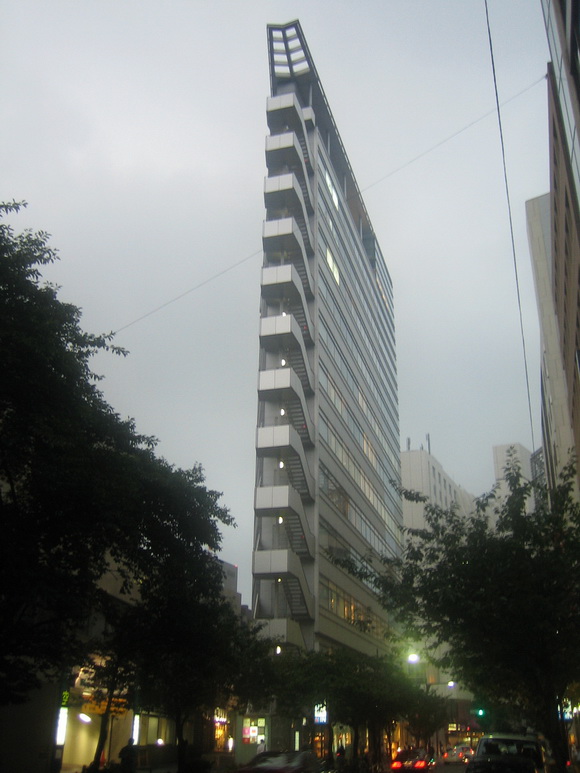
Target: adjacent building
[[327, 443], [559, 279], [531, 465], [502, 457], [557, 435], [422, 472]]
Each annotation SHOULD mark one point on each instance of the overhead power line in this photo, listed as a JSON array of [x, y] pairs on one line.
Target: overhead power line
[[368, 187], [509, 208], [451, 136], [187, 292]]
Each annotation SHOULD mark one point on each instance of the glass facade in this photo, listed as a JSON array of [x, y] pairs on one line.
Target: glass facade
[[565, 52], [562, 20], [327, 443]]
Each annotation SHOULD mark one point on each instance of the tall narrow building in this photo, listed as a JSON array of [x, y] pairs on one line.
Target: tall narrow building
[[558, 441], [558, 281], [327, 442]]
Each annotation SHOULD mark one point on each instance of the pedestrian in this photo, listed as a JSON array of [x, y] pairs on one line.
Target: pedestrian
[[128, 757], [261, 746]]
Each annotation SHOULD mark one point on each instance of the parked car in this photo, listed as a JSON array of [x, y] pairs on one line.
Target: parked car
[[505, 753], [412, 759], [459, 753], [283, 762]]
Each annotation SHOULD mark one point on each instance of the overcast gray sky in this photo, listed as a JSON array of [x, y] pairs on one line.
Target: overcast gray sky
[[135, 129]]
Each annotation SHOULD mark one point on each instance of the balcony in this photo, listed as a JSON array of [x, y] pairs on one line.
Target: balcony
[[284, 112], [283, 242], [288, 153], [284, 443], [283, 334], [282, 385], [285, 567], [285, 502], [284, 197], [283, 191], [280, 283], [284, 629]]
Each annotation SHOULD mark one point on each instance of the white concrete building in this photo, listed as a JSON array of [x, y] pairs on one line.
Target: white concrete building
[[421, 472], [327, 441], [531, 466], [500, 460]]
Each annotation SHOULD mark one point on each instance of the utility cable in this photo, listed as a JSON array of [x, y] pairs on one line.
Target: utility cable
[[187, 292], [509, 207], [368, 187], [450, 137]]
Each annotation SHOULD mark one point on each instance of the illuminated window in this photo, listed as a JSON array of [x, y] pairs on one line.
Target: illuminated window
[[332, 265], [382, 291], [331, 189], [369, 450], [61, 726]]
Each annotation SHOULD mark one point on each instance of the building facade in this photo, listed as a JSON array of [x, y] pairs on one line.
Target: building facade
[[327, 442], [531, 467], [422, 472], [557, 435], [562, 19]]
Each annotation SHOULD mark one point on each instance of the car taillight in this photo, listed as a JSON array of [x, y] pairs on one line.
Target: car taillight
[[396, 765], [420, 764], [446, 755]]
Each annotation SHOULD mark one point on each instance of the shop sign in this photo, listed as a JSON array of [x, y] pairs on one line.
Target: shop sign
[[118, 706], [320, 714], [251, 728]]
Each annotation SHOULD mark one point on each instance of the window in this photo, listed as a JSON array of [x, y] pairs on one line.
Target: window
[[332, 265], [331, 188]]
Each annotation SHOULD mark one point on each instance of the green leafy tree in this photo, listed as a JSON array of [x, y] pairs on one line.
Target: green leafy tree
[[360, 691], [179, 653], [197, 655], [491, 716], [110, 669], [369, 692], [299, 683], [427, 714], [174, 612], [500, 594], [89, 513], [57, 442]]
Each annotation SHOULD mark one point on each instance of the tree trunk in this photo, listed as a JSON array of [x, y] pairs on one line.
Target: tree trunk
[[103, 730], [376, 745], [181, 745], [389, 734], [355, 742]]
